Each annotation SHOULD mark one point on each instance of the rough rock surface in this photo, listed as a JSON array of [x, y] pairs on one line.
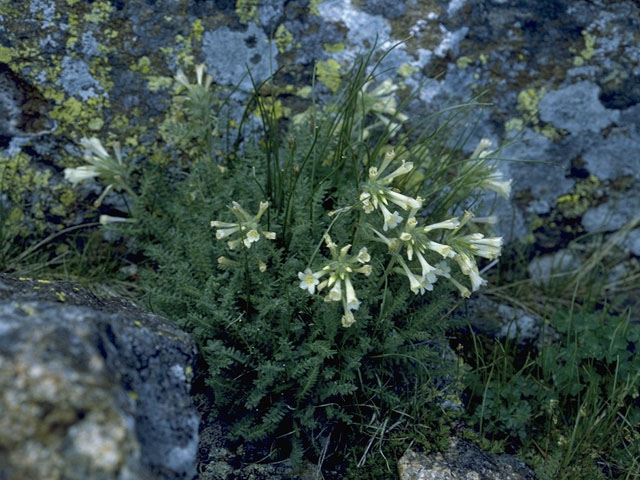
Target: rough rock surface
[[91, 388], [561, 77], [462, 461]]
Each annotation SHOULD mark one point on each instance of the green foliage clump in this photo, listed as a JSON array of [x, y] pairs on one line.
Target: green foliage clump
[[575, 401], [301, 260]]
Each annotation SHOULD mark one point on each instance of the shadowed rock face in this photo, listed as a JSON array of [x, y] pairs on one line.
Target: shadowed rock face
[[91, 388], [23, 109]]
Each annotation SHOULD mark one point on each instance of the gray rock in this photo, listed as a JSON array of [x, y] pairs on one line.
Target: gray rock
[[632, 243], [462, 461], [388, 8], [23, 110], [616, 155], [611, 215], [363, 29], [250, 49], [543, 269], [77, 80], [91, 388], [539, 169], [501, 321], [577, 108]]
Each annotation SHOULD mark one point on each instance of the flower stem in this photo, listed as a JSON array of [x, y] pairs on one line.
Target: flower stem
[[247, 281]]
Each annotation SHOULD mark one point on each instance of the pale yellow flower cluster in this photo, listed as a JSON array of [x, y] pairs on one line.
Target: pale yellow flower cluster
[[382, 103], [415, 239], [246, 231], [203, 81], [492, 179], [111, 169], [340, 269]]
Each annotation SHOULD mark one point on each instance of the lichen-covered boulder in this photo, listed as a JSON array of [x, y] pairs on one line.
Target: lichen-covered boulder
[[561, 78], [91, 388], [462, 461]]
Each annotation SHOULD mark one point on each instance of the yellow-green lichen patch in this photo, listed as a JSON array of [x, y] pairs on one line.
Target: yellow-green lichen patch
[[197, 29], [587, 52], [67, 197], [334, 47], [328, 72], [95, 124], [158, 82], [142, 65], [100, 12], [61, 296], [273, 107], [21, 180], [585, 194], [6, 54], [313, 7], [527, 103], [304, 92], [283, 38], [26, 309], [246, 10], [464, 62], [513, 124], [407, 70], [529, 99]]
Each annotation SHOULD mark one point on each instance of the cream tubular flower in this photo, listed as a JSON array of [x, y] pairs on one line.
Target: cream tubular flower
[[227, 261], [200, 73], [489, 248], [247, 226], [391, 243], [450, 224], [476, 280], [106, 219], [309, 280], [415, 284], [352, 301], [391, 220], [225, 232], [79, 174], [443, 269], [261, 209], [335, 294], [403, 201], [252, 237], [428, 271], [427, 284], [182, 79], [464, 291], [481, 150], [363, 255], [348, 319], [365, 270], [403, 169], [95, 146], [496, 183], [465, 262], [444, 250]]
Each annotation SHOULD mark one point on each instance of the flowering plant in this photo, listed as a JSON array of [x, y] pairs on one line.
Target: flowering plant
[[313, 313]]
